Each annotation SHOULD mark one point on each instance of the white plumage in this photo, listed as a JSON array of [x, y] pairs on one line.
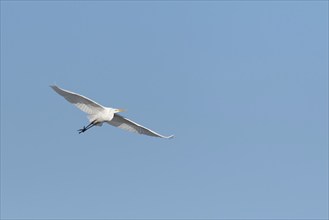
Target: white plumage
[[98, 114]]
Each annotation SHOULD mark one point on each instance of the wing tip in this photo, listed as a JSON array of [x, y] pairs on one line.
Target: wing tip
[[53, 86], [170, 137]]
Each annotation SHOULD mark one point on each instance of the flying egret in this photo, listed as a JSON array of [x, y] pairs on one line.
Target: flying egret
[[98, 114]]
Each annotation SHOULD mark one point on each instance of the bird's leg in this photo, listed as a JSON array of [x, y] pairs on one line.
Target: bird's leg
[[85, 128]]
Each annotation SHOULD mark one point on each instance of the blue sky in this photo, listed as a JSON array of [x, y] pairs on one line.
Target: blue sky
[[242, 85]]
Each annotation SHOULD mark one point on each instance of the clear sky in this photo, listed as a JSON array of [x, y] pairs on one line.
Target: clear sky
[[243, 85]]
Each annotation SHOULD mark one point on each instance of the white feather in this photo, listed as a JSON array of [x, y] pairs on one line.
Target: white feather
[[98, 114]]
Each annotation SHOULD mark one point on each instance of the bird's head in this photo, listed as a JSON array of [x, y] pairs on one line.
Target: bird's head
[[116, 110]]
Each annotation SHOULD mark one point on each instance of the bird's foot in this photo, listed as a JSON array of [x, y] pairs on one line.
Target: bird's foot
[[82, 130]]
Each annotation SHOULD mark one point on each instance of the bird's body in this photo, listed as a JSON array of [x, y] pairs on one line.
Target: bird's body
[[103, 116], [98, 114]]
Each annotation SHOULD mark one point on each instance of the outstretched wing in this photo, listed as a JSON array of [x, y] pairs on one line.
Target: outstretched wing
[[83, 103], [128, 125]]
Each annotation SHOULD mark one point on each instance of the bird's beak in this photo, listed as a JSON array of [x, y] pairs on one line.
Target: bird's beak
[[121, 110]]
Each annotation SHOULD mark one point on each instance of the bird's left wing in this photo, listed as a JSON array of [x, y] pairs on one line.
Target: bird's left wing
[[128, 125], [83, 103]]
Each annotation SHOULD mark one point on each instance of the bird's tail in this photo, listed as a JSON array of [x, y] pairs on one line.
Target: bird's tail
[[91, 117]]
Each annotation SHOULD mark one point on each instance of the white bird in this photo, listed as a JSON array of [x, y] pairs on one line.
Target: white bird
[[98, 114]]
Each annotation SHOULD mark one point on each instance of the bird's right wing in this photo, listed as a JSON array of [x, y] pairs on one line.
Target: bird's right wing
[[83, 103], [128, 125]]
